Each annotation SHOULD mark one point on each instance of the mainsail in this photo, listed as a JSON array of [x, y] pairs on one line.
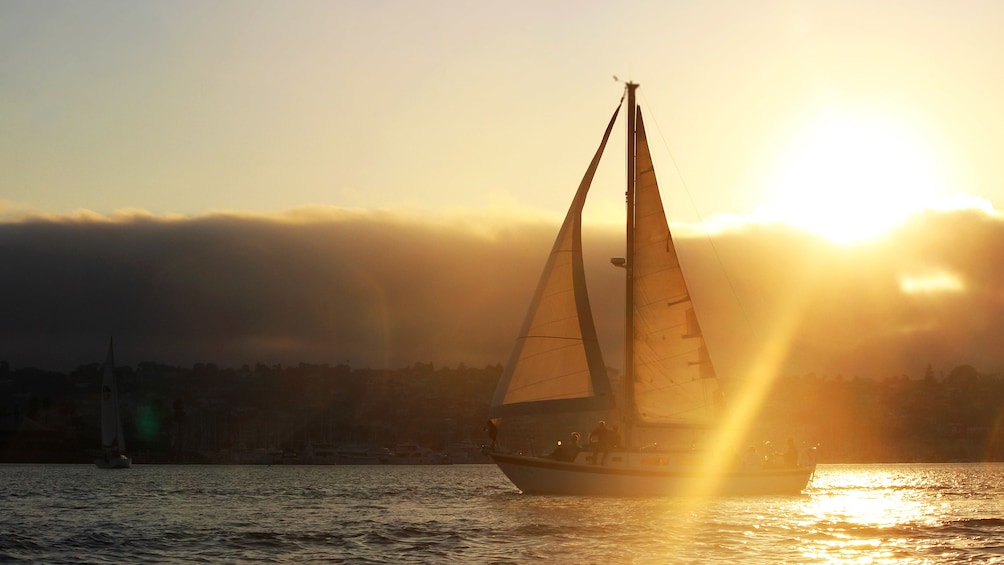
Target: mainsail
[[556, 365], [111, 423], [674, 381]]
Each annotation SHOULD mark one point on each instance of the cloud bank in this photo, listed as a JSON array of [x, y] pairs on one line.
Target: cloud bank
[[388, 290]]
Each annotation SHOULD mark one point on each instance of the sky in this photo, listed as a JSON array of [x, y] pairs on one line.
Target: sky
[[184, 108], [247, 132]]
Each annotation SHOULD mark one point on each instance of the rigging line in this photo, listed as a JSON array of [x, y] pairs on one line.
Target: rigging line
[[542, 336], [693, 204]]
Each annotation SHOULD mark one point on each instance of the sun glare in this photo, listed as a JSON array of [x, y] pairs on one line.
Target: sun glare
[[930, 283], [850, 179]]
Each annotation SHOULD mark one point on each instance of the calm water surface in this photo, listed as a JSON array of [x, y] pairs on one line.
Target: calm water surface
[[946, 513]]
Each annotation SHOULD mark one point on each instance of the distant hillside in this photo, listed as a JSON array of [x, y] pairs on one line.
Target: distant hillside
[[210, 414]]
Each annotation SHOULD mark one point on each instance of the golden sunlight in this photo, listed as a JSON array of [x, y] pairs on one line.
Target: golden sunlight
[[850, 178], [930, 283], [875, 508]]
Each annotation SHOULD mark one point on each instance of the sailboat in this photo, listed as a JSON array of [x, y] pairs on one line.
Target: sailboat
[[668, 389], [112, 441]]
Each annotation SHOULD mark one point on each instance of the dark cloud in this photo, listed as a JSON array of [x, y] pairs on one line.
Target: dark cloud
[[374, 290], [379, 290], [851, 312]]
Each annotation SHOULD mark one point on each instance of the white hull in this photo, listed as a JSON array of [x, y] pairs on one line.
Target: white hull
[[644, 474], [113, 462]]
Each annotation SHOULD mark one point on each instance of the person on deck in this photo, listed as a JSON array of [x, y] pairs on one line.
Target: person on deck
[[565, 452], [614, 438], [599, 442], [598, 437], [493, 434], [790, 454], [807, 457], [575, 440]]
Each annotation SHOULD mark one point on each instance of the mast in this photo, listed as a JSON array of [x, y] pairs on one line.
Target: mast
[[627, 412]]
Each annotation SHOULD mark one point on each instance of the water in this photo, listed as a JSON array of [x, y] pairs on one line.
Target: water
[[945, 513]]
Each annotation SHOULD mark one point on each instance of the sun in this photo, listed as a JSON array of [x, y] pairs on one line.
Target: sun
[[850, 178]]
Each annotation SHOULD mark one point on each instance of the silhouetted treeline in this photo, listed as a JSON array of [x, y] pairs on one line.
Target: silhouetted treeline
[[953, 417], [211, 414]]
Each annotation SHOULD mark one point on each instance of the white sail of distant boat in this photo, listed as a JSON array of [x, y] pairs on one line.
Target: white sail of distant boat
[[669, 382], [112, 440]]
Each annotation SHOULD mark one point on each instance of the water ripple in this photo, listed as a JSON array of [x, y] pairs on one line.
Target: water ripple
[[465, 514]]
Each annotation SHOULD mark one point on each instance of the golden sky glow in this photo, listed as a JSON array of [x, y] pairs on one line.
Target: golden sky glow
[[850, 178], [840, 118]]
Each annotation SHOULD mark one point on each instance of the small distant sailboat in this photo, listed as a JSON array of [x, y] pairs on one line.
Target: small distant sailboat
[[112, 441], [669, 390]]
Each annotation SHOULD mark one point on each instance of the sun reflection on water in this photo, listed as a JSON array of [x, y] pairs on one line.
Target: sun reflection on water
[[879, 509], [871, 517]]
